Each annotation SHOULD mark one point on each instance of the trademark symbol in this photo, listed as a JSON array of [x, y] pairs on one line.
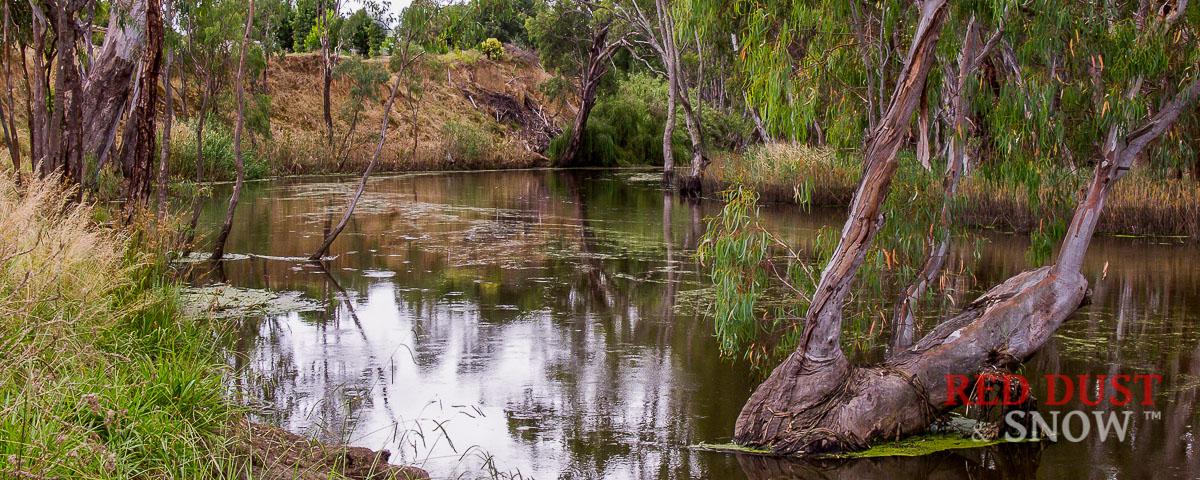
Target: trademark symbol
[[1153, 415]]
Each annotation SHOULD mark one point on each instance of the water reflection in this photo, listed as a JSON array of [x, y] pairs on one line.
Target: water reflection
[[505, 322]]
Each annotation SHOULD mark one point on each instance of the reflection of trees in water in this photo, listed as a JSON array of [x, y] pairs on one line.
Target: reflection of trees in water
[[586, 270]]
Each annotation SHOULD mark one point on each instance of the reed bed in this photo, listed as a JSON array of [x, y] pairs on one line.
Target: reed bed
[[1142, 203]]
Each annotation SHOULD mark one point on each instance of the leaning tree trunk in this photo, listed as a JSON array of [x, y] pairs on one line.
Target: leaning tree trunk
[[938, 239], [788, 412], [816, 402], [239, 162], [597, 65], [362, 183]]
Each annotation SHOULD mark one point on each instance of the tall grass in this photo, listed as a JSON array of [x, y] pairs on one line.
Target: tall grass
[[1143, 203], [102, 378]]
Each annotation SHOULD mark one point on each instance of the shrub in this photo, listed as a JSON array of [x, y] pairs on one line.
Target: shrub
[[626, 127], [466, 143], [218, 152], [492, 49]]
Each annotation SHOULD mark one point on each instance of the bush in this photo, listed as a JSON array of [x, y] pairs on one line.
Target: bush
[[626, 127], [466, 143], [492, 49], [218, 153]]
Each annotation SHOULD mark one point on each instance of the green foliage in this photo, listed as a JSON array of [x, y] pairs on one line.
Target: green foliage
[[733, 248], [218, 151], [362, 33], [103, 378], [466, 142], [466, 25], [560, 32], [626, 127], [492, 49]]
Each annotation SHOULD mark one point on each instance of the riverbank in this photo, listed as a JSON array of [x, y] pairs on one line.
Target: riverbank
[[459, 111], [105, 377], [1139, 205]]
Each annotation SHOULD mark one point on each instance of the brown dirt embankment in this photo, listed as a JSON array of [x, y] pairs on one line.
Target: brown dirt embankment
[[276, 454], [460, 111]]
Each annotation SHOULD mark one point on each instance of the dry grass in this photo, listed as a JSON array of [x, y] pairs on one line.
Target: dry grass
[[790, 173], [56, 263], [297, 146], [1140, 204]]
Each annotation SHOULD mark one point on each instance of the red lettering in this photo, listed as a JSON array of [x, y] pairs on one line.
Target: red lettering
[[987, 387], [956, 387], [1051, 389], [1085, 385], [1022, 387], [1120, 390], [1148, 381]]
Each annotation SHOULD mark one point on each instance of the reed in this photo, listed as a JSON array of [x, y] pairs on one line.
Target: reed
[[1143, 203]]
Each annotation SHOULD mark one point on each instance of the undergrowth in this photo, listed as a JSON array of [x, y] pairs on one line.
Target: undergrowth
[[102, 378]]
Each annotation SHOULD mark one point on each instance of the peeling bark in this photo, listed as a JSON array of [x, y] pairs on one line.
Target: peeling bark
[[817, 402], [109, 80], [138, 163]]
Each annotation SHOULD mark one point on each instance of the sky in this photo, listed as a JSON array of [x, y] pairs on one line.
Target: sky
[[394, 6]]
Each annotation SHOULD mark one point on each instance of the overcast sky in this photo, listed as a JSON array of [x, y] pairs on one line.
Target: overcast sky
[[394, 6]]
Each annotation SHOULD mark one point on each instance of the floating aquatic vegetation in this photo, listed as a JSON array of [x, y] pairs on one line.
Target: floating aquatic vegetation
[[224, 301], [200, 257]]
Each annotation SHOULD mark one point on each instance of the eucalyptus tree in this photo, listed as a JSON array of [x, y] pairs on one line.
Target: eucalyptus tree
[[409, 36], [209, 48], [137, 148], [325, 18], [1117, 73], [657, 29], [239, 125], [577, 39]]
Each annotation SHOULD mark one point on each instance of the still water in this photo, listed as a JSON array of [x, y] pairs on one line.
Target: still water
[[543, 324]]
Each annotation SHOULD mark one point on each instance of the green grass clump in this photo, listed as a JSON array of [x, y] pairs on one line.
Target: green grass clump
[[102, 378]]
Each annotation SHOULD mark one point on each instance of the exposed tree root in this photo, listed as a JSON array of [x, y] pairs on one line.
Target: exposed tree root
[[810, 406]]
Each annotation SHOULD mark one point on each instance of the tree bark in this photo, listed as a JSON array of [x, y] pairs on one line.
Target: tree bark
[[816, 402], [219, 247], [799, 388], [597, 65], [140, 160], [109, 80]]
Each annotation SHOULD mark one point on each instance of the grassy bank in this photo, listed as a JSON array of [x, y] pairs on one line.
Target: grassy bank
[[103, 376], [1141, 203], [441, 120]]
